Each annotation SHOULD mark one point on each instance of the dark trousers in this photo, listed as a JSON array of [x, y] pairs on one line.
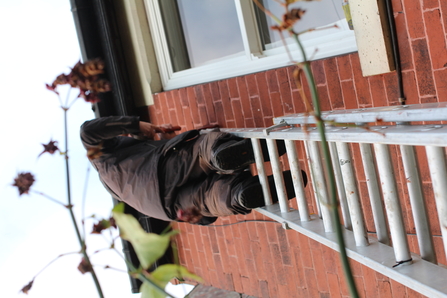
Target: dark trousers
[[189, 178]]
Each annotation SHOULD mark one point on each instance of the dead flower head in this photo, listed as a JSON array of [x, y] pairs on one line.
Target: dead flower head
[[85, 266], [103, 225], [289, 19], [50, 148], [26, 288], [86, 77], [23, 182]]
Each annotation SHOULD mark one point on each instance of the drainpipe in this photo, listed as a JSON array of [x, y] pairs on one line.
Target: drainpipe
[[395, 46]]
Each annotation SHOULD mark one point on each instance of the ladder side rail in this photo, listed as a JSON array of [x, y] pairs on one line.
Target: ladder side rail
[[352, 194], [392, 204], [404, 113], [417, 201]]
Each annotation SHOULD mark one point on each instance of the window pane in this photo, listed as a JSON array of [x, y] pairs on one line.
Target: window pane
[[200, 31], [318, 14]]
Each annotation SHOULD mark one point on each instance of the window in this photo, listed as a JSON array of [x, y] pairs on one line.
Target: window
[[198, 41]]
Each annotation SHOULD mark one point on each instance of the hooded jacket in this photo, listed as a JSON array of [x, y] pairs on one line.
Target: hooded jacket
[[127, 167]]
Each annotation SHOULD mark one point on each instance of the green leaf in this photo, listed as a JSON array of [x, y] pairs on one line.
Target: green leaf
[[165, 273], [149, 291], [162, 275], [119, 208], [149, 247]]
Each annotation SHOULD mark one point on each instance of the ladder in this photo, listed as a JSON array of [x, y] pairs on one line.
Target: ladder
[[382, 150]]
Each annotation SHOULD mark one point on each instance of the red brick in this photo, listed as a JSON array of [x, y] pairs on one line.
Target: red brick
[[157, 105], [349, 96], [270, 228], [163, 102], [257, 112], [252, 232], [306, 258], [320, 270], [244, 96], [311, 282], [208, 252], [292, 72], [378, 91], [333, 84], [169, 99], [229, 240], [237, 280], [360, 286], [436, 38], [410, 87], [225, 98], [444, 12], [203, 115], [220, 271], [251, 85], [344, 67], [361, 83], [403, 40], [273, 289], [441, 84], [392, 88], [220, 114], [423, 67], [415, 23], [276, 104], [283, 246], [318, 72], [325, 104], [178, 109], [413, 294], [214, 279], [256, 250], [334, 285], [269, 79], [384, 288], [215, 92], [428, 99], [430, 4], [284, 87], [209, 103], [264, 95], [264, 289], [233, 88]]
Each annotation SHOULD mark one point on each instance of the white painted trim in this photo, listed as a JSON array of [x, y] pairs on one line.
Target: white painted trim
[[321, 45]]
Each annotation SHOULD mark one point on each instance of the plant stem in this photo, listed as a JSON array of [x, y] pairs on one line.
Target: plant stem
[[143, 278], [70, 208], [332, 188]]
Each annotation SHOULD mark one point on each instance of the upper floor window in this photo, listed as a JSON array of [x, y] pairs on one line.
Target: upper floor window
[[198, 41]]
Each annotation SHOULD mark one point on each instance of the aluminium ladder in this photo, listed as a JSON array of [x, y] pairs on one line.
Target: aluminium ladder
[[399, 127]]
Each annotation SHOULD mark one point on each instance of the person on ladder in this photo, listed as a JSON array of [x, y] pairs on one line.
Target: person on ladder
[[188, 177]]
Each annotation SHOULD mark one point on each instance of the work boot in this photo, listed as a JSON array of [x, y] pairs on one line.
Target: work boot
[[237, 155], [251, 196]]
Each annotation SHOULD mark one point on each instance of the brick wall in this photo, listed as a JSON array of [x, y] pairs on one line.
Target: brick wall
[[260, 258]]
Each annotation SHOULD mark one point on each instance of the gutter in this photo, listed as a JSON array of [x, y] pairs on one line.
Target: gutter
[[98, 35]]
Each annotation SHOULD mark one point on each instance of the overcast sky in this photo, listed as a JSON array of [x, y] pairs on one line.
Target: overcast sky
[[38, 43]]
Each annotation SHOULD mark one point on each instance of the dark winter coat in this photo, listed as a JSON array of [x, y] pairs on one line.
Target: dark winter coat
[[128, 168]]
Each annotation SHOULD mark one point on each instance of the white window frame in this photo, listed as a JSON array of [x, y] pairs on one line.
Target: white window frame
[[318, 44]]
